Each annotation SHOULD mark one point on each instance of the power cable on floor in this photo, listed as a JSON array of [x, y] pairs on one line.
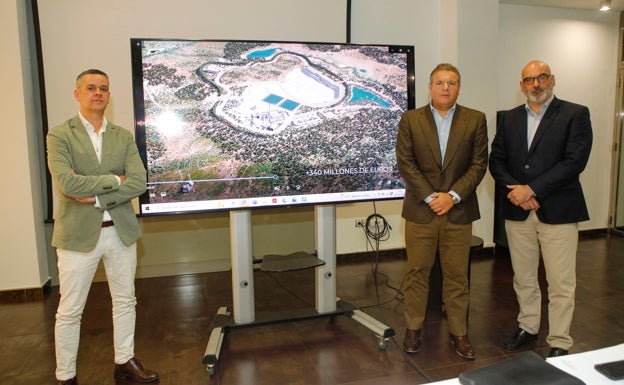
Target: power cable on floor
[[377, 230]]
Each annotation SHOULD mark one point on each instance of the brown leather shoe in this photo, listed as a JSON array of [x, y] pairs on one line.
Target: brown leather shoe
[[71, 381], [134, 371], [463, 347], [413, 341]]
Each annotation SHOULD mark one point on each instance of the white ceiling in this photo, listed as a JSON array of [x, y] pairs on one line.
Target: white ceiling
[[616, 5]]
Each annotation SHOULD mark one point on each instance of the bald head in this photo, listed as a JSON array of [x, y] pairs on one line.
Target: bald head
[[535, 66]]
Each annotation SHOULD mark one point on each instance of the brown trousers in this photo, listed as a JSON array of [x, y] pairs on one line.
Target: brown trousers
[[422, 242]]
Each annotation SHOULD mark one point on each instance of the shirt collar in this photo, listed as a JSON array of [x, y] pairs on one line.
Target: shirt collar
[[450, 111], [89, 127], [544, 106]]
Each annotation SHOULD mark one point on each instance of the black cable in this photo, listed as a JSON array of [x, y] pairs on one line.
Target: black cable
[[411, 362], [287, 290], [377, 228]]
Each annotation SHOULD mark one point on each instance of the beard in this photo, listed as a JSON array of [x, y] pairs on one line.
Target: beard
[[540, 97]]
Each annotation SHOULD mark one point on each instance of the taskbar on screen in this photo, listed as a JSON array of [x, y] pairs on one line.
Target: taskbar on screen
[[264, 202]]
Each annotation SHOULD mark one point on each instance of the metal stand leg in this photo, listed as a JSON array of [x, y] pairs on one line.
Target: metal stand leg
[[242, 285], [218, 326]]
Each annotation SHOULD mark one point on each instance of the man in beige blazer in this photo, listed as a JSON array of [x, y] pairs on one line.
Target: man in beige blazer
[[97, 170], [442, 156]]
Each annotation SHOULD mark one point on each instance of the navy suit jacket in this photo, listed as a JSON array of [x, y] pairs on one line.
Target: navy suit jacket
[[551, 167]]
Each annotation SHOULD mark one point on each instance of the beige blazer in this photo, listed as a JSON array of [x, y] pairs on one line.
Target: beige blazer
[[76, 172]]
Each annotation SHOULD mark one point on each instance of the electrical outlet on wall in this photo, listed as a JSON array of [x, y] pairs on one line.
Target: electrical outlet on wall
[[359, 222]]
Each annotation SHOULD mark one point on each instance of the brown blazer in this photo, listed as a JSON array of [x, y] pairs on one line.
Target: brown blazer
[[420, 162]]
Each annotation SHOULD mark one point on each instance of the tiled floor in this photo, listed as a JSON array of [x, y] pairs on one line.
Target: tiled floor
[[174, 316]]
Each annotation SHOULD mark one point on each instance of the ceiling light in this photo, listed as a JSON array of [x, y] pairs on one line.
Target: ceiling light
[[605, 5]]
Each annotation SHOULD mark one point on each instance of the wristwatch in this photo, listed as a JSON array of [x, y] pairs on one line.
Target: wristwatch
[[455, 199]]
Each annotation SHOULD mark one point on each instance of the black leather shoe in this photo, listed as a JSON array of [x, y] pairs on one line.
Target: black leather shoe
[[71, 381], [556, 352], [134, 371], [412, 341], [519, 338]]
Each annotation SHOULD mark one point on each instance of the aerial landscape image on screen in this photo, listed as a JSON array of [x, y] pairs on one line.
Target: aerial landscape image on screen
[[237, 124]]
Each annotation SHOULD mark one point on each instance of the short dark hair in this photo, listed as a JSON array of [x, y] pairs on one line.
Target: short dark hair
[[91, 71], [445, 67]]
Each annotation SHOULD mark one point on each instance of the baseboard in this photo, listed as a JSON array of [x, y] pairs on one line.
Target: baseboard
[[369, 256], [33, 294], [502, 249], [488, 250], [170, 269], [398, 254], [593, 233]]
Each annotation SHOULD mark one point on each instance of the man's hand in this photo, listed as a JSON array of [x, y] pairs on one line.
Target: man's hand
[[122, 178], [519, 194], [531, 204], [89, 200], [442, 203]]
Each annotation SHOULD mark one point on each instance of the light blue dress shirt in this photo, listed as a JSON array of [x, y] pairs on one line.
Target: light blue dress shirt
[[534, 119], [443, 126]]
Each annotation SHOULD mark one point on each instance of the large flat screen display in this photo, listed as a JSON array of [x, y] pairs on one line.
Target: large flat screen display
[[225, 125]]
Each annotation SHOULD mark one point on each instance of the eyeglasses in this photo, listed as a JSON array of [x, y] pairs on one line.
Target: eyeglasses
[[541, 78]]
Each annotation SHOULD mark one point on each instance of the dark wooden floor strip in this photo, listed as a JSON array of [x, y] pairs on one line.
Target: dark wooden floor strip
[[174, 316]]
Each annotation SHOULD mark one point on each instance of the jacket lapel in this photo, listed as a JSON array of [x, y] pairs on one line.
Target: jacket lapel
[[430, 133], [518, 128], [544, 125], [107, 146], [456, 134], [83, 139]]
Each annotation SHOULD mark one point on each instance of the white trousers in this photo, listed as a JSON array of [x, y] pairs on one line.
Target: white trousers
[[558, 245], [76, 271]]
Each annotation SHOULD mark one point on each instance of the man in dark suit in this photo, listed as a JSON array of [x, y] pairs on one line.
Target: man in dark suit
[[538, 153], [97, 170], [442, 156]]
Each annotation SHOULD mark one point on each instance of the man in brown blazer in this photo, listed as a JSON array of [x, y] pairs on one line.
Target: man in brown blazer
[[442, 156]]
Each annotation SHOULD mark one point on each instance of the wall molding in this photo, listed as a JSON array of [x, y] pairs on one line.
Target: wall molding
[[224, 264], [33, 294]]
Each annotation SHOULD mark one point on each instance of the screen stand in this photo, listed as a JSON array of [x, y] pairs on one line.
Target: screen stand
[[327, 304]]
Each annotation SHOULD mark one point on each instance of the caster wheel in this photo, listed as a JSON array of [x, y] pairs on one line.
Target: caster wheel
[[211, 370], [382, 343]]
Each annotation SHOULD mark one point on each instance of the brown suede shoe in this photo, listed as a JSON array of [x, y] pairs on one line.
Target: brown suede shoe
[[463, 347], [413, 341], [71, 381], [134, 371]]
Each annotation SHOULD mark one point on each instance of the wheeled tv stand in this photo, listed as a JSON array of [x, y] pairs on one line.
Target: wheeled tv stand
[[327, 304]]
